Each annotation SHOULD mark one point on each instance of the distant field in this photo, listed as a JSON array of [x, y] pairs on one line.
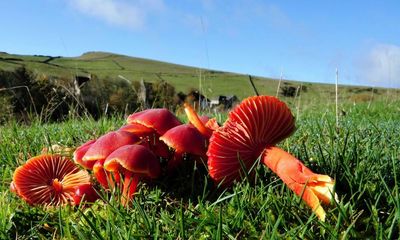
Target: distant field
[[213, 84]]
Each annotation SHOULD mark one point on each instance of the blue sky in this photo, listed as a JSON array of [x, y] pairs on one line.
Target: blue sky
[[306, 39]]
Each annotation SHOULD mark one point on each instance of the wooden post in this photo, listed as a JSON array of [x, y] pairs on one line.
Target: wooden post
[[279, 84], [298, 100], [142, 96], [336, 97], [200, 91], [254, 87]]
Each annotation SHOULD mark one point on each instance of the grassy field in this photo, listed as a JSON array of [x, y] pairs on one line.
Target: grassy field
[[183, 78], [362, 154]]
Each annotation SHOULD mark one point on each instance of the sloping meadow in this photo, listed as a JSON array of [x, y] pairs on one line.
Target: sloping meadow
[[362, 153]]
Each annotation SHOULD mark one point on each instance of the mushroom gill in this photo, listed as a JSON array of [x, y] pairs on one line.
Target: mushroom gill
[[251, 131], [49, 180]]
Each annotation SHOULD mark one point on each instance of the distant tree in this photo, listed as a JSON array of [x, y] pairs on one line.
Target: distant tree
[[288, 91], [27, 94], [163, 95]]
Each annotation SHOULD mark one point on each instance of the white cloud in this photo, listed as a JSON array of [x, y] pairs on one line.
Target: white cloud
[[380, 66], [131, 14]]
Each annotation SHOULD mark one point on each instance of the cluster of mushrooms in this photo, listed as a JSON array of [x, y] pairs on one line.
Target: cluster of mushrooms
[[154, 142]]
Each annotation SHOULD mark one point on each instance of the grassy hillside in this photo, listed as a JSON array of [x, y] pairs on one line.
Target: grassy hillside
[[214, 83]]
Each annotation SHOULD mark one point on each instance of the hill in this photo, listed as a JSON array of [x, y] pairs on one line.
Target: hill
[[183, 78]]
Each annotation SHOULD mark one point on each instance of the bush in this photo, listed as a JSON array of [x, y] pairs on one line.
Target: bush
[[25, 95], [108, 95], [288, 91], [6, 108], [162, 95]]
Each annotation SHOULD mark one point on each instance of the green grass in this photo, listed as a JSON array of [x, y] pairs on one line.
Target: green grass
[[363, 155], [183, 78]]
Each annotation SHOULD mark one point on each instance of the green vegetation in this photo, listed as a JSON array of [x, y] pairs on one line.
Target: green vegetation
[[115, 67], [362, 154], [24, 94]]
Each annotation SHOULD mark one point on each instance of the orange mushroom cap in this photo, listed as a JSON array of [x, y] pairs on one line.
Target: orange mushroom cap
[[183, 139], [150, 124], [133, 162], [133, 158], [49, 180], [210, 123], [150, 138], [80, 152], [85, 193], [107, 144], [138, 129], [186, 139], [251, 131], [106, 179], [159, 119]]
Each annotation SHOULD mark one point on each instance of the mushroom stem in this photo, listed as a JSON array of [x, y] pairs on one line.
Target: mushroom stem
[[195, 120], [311, 187], [105, 178], [131, 181], [57, 185]]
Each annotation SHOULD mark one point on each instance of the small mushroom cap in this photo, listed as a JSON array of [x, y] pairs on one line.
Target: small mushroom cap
[[212, 124], [159, 119], [150, 138], [107, 144], [85, 192], [138, 129], [254, 124], [81, 151], [208, 122], [48, 180], [135, 159], [186, 138]]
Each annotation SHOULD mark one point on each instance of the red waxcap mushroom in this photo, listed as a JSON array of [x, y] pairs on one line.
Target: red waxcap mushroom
[[183, 139], [85, 193], [204, 128], [210, 123], [150, 138], [251, 130], [107, 144], [96, 152], [137, 129], [49, 180], [150, 124], [80, 152], [106, 179], [133, 162], [159, 119]]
